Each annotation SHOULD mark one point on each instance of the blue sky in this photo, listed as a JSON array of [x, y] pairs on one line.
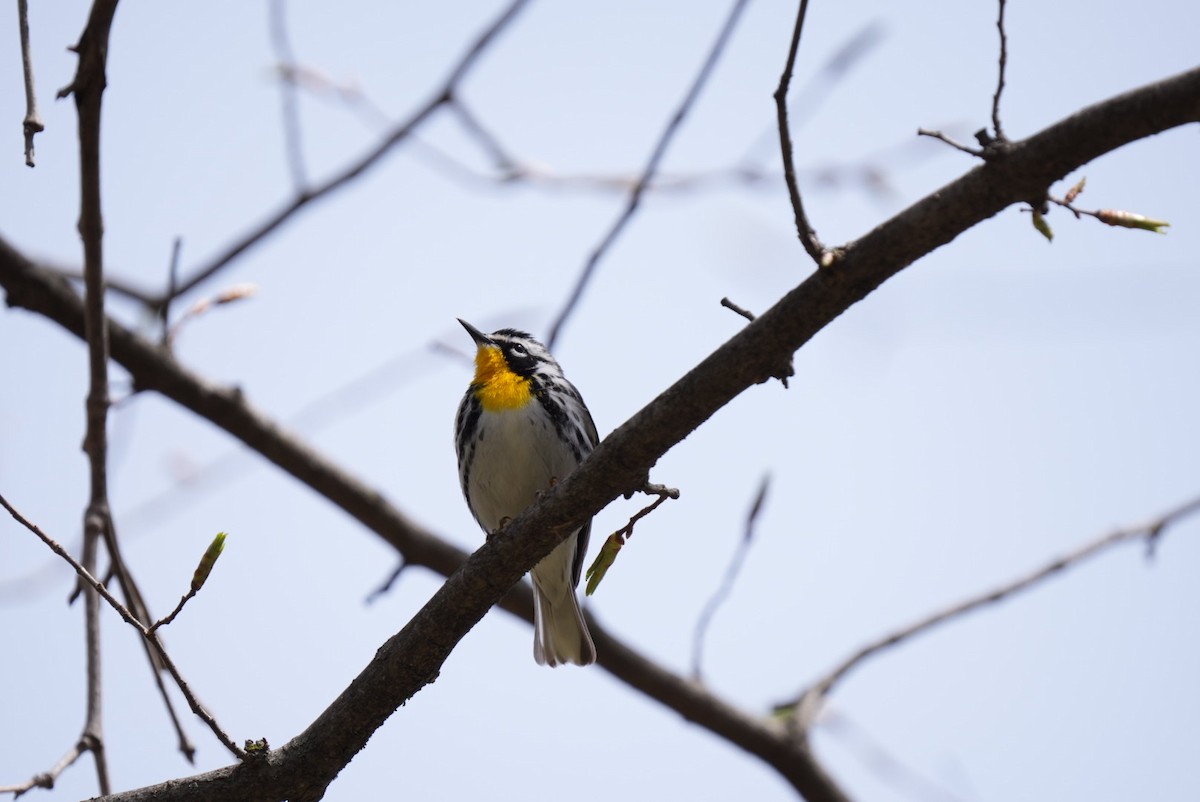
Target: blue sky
[[998, 403]]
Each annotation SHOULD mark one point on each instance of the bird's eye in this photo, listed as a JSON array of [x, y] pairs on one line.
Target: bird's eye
[[518, 349]]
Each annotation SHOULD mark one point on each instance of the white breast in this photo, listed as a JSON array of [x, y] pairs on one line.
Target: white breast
[[515, 460]]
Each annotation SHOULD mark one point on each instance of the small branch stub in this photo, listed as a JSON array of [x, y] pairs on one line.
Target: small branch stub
[[786, 371]]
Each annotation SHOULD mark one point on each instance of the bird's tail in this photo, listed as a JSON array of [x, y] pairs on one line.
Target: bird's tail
[[559, 632]]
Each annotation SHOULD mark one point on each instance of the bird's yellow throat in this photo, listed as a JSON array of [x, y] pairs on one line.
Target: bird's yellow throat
[[496, 386]]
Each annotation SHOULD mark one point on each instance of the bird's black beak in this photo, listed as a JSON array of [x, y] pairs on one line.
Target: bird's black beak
[[478, 336]]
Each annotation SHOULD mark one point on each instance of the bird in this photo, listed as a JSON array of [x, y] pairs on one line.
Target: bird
[[520, 428]]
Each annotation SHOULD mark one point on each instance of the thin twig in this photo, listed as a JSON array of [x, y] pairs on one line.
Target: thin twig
[[387, 584], [131, 291], [808, 237], [348, 93], [486, 140], [996, 127], [663, 493], [938, 135], [731, 573], [822, 83], [237, 292], [289, 99], [96, 587], [660, 149], [169, 617], [141, 611], [194, 703], [506, 167], [401, 132], [185, 745], [87, 577], [808, 705], [46, 779], [32, 123], [164, 311]]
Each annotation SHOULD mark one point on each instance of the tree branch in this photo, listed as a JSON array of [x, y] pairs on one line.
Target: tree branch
[[660, 149], [88, 90], [997, 129], [808, 237], [731, 573], [808, 705], [401, 132], [288, 94], [32, 124], [149, 637]]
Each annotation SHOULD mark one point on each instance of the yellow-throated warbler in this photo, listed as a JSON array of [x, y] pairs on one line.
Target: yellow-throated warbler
[[520, 427]]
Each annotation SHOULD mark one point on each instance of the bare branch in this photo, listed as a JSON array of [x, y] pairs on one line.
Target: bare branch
[[731, 573], [96, 587], [808, 705], [508, 168], [169, 617], [32, 123], [401, 132], [46, 779], [807, 100], [113, 284], [292, 133], [141, 611], [938, 135], [387, 584], [808, 237], [164, 310], [88, 89], [996, 127], [660, 149], [487, 141]]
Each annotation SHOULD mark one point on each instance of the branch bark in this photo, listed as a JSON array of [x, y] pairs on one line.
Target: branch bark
[[88, 90], [412, 658]]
